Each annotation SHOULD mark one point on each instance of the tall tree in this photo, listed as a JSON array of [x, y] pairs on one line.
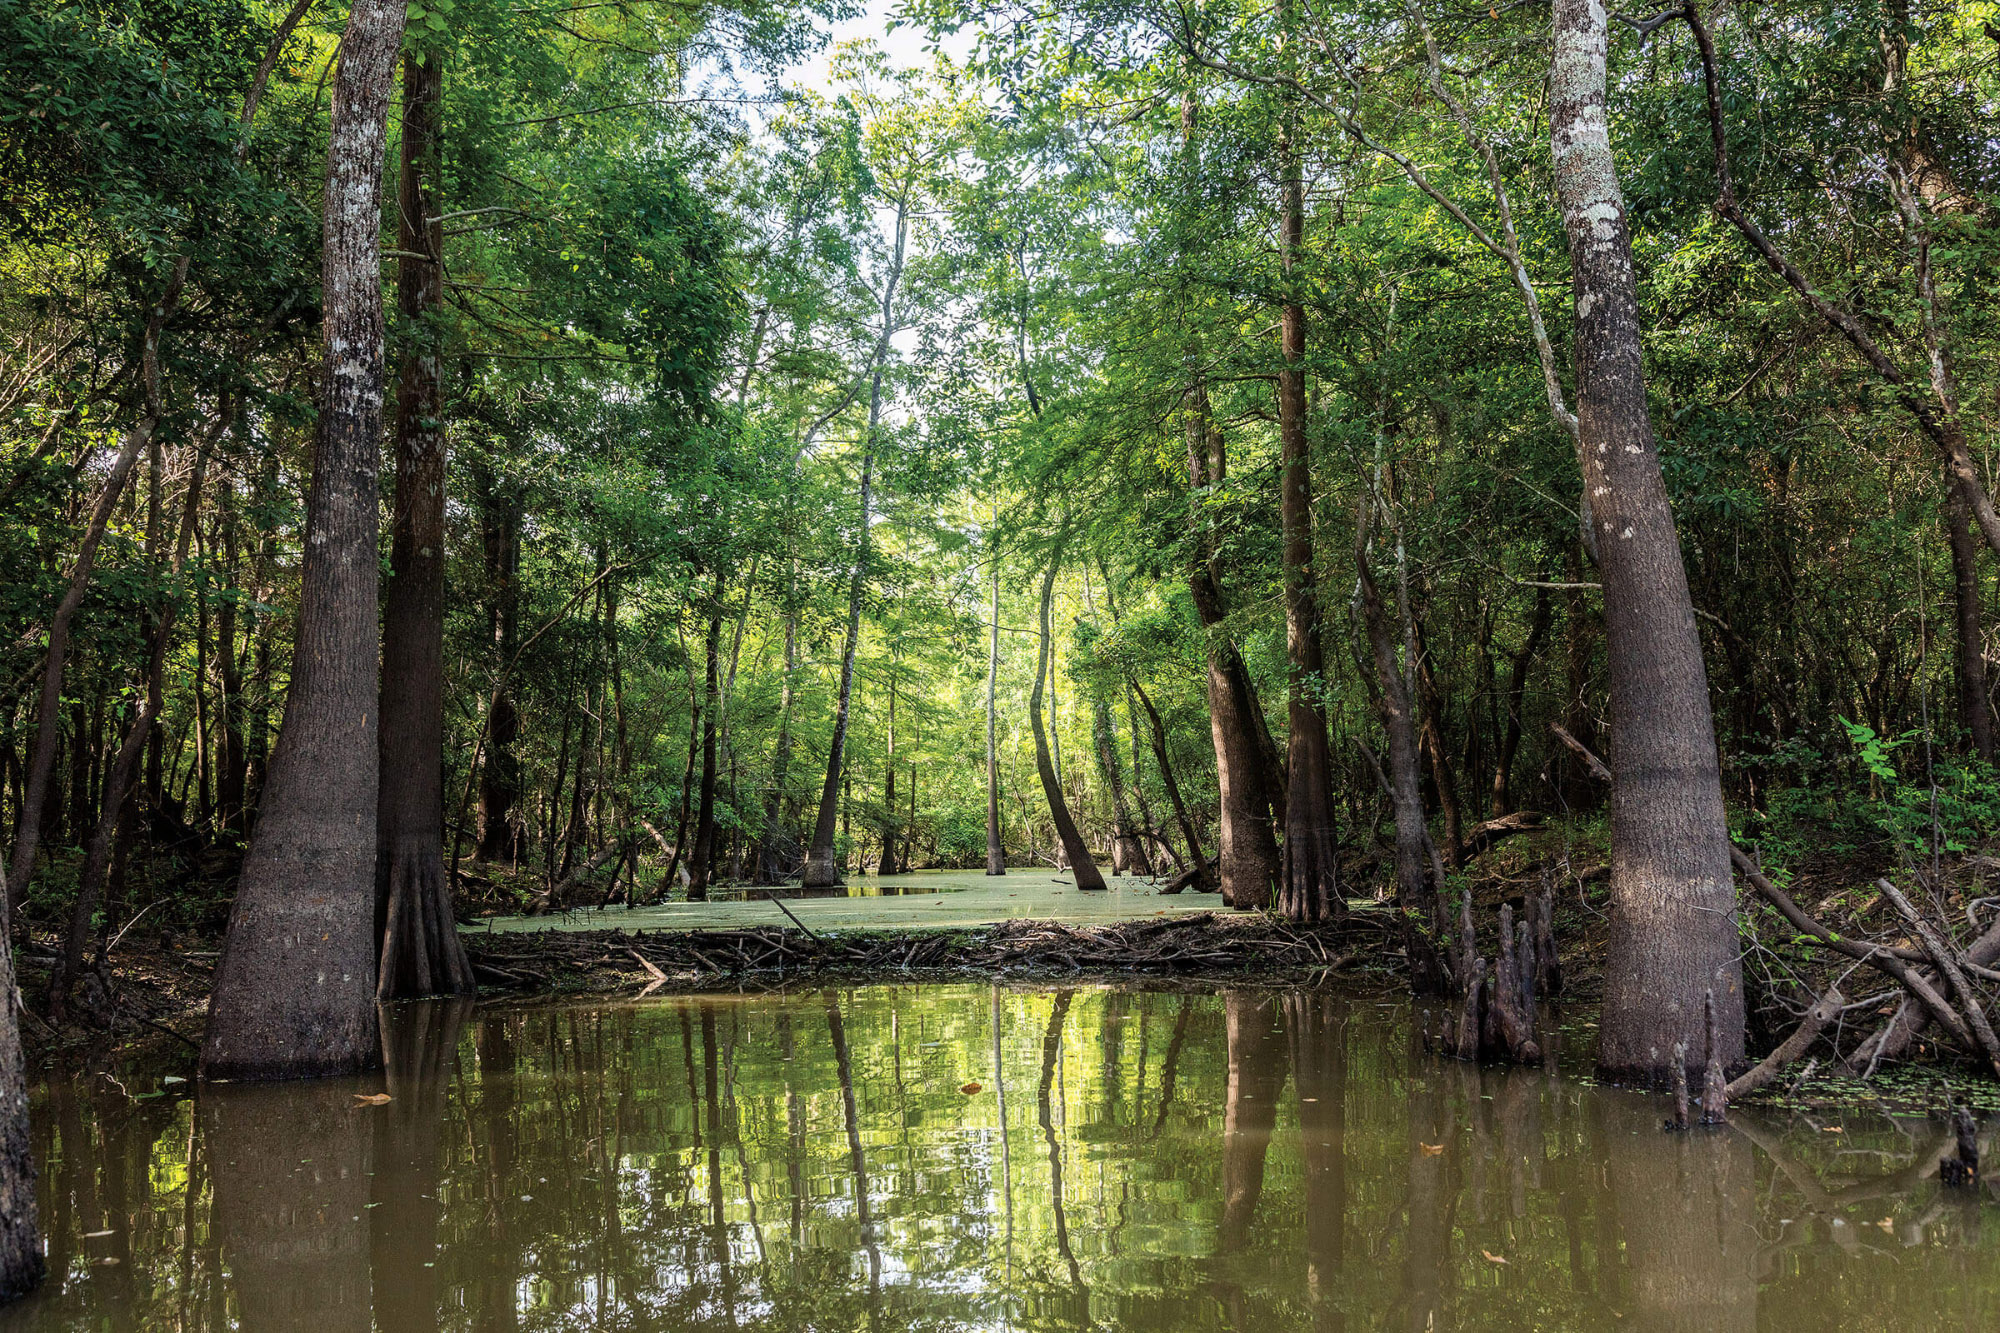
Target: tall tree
[[421, 953], [1309, 876], [822, 869], [1673, 920], [1074, 847], [294, 993], [996, 853]]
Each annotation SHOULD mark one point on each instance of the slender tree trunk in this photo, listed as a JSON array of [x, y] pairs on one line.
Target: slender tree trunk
[[910, 825], [822, 868], [887, 865], [704, 828], [1149, 830], [776, 833], [1248, 856], [500, 835], [1309, 875], [416, 923], [1181, 816], [1128, 842], [1517, 688], [1974, 713], [230, 768], [1673, 919], [1087, 874], [679, 854], [21, 1264], [1432, 733], [294, 994], [156, 482], [117, 805], [996, 851], [42, 757], [1420, 912]]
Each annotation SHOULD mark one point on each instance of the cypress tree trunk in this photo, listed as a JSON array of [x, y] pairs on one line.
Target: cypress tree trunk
[[1248, 855], [421, 953], [1673, 918], [1309, 876], [294, 994], [1087, 874]]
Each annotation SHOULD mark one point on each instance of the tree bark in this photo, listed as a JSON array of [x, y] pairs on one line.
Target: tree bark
[[1309, 875], [232, 771], [294, 993], [1248, 855], [1080, 863], [1673, 919], [416, 923]]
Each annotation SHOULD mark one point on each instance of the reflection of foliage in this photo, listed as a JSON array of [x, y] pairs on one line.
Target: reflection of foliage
[[685, 1165]]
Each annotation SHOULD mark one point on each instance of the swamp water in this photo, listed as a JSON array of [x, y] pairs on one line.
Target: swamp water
[[941, 1157]]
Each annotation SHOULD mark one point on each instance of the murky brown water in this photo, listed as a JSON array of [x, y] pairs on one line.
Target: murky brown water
[[1127, 1160]]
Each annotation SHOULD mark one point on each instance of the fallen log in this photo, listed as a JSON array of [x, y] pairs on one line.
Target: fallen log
[[1824, 1011], [1482, 838], [1947, 961]]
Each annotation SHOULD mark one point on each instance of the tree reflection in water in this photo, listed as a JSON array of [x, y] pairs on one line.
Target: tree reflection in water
[[959, 1157]]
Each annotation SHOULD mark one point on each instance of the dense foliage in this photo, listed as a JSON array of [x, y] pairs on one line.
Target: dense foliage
[[682, 306]]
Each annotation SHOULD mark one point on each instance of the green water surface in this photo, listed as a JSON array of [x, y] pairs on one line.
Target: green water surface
[[975, 1157]]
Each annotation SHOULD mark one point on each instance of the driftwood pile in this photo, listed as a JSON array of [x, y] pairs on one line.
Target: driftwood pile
[[1202, 942], [1934, 981]]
